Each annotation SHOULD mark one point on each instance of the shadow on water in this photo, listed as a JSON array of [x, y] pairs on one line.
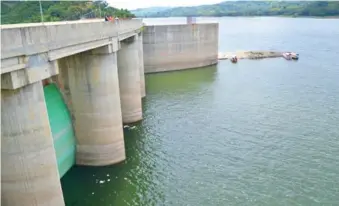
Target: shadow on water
[[180, 81]]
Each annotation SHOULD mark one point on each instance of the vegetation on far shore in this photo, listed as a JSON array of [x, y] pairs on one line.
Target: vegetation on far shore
[[29, 11], [250, 8]]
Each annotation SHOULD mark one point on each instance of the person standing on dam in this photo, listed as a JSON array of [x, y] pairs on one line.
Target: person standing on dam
[[116, 19]]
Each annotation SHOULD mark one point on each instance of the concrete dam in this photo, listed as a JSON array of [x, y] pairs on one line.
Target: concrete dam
[[67, 88]]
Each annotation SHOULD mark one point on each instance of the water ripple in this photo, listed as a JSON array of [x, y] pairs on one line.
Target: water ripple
[[252, 133]]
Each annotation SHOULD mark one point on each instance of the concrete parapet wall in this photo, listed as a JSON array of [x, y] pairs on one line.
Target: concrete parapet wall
[[176, 47], [29, 51], [29, 39]]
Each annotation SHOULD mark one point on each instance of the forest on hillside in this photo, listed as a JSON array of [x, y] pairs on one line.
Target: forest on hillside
[[253, 8], [29, 11]]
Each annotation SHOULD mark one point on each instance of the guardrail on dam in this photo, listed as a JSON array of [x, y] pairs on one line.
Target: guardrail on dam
[[68, 87]]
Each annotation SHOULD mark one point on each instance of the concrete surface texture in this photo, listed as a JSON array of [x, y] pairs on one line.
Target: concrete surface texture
[[35, 68], [62, 39], [29, 174], [129, 80], [141, 65], [175, 47], [63, 83], [94, 90]]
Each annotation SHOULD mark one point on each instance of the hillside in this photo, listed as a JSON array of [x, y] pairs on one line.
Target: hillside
[[148, 11], [254, 8], [29, 11]]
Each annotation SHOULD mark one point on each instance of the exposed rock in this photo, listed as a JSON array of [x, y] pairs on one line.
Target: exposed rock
[[250, 54]]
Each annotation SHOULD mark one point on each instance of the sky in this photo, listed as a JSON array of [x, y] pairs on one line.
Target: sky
[[134, 4]]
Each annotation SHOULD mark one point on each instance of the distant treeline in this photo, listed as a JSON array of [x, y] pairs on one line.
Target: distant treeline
[[29, 11], [253, 8]]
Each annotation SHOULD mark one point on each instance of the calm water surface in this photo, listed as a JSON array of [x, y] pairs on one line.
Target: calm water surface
[[260, 132]]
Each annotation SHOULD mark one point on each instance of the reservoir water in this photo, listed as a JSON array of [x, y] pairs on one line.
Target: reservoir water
[[260, 132]]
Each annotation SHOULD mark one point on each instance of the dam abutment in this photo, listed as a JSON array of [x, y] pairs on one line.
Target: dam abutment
[[182, 46]]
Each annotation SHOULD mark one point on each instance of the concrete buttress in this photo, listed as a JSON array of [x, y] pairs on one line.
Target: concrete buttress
[[141, 65], [94, 90], [129, 80], [29, 174]]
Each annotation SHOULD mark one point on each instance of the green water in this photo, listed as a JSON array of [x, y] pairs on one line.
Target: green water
[[260, 132]]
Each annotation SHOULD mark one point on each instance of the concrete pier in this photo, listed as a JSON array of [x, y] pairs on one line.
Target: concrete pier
[[141, 66], [94, 88], [29, 174], [129, 80]]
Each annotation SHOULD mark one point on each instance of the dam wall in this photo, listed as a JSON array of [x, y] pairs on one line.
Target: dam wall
[[68, 88], [177, 47], [61, 99]]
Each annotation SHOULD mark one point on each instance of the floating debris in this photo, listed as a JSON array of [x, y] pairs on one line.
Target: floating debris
[[102, 181], [129, 127]]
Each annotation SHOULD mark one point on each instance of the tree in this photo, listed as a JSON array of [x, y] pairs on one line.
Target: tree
[[253, 8], [29, 11]]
